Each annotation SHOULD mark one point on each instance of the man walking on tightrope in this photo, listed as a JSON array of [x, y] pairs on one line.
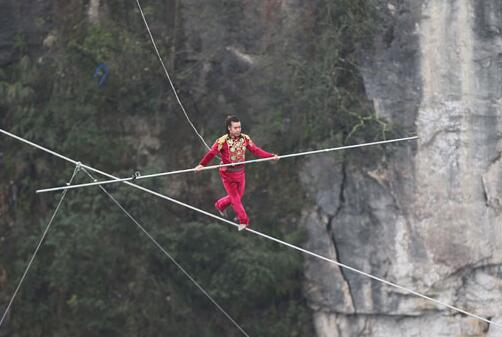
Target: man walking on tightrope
[[232, 148]]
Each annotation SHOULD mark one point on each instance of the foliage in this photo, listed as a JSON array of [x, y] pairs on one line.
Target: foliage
[[326, 102], [97, 273]]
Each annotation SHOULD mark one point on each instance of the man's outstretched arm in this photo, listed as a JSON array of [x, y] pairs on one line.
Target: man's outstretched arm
[[208, 157], [259, 152]]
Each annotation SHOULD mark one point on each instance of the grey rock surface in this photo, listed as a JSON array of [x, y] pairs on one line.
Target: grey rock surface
[[427, 215]]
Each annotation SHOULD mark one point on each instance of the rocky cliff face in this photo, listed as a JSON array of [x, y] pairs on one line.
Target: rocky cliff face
[[426, 216]]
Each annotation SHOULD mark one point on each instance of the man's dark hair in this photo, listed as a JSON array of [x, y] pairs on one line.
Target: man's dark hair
[[229, 121]]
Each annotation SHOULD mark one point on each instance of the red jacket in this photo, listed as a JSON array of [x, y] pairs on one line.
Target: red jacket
[[233, 150]]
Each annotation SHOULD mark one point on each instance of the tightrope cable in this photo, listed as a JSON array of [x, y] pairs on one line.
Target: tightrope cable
[[7, 309], [410, 291], [159, 246]]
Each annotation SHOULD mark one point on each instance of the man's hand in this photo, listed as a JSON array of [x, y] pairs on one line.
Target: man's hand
[[198, 168], [275, 157]]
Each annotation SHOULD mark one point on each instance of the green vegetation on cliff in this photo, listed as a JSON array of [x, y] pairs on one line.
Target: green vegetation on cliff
[[97, 274]]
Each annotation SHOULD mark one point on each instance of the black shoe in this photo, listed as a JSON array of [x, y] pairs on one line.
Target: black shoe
[[223, 213]]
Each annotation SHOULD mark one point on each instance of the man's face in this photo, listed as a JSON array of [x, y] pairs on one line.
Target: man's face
[[235, 129]]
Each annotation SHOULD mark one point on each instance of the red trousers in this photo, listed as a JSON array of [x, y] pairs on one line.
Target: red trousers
[[234, 183]]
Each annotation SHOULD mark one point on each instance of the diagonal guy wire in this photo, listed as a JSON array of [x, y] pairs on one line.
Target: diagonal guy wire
[[156, 243], [167, 75], [77, 167]]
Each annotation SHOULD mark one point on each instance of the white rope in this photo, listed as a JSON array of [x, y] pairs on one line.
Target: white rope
[[285, 243], [167, 74], [224, 165], [37, 248], [170, 257]]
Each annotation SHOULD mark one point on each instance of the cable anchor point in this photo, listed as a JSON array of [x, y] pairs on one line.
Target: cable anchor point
[[78, 166]]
